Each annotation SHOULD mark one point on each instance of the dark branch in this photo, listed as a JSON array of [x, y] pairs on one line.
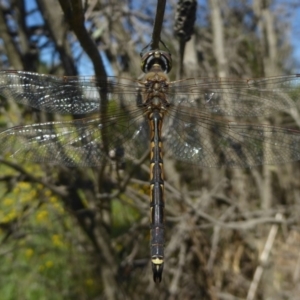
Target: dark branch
[[75, 17], [157, 26]]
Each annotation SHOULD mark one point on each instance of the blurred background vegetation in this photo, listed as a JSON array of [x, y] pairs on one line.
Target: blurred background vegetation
[[66, 233]]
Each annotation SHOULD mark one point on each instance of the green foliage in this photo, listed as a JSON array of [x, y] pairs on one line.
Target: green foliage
[[124, 214], [40, 256]]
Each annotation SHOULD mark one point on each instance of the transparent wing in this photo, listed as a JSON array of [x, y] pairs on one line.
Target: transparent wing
[[241, 98], [207, 123], [210, 141], [64, 95], [84, 142]]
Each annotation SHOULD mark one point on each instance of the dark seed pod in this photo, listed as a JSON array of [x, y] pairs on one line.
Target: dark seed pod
[[185, 19]]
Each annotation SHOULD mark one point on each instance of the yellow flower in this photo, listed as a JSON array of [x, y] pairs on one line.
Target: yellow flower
[[56, 204], [42, 215], [53, 199], [10, 216], [16, 190], [29, 252], [49, 264], [24, 185], [56, 240], [89, 282], [48, 193], [8, 201], [41, 268], [32, 194], [25, 197]]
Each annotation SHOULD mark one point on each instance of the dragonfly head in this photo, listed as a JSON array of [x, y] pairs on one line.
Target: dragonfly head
[[159, 58]]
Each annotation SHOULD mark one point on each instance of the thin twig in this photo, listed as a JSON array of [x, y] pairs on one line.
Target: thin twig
[[263, 259]]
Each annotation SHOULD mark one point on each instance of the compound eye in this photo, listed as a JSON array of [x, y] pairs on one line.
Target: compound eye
[[167, 61], [159, 57]]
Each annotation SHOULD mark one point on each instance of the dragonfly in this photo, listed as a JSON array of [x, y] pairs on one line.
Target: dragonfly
[[205, 122]]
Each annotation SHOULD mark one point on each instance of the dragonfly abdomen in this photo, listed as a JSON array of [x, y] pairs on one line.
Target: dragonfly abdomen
[[156, 196]]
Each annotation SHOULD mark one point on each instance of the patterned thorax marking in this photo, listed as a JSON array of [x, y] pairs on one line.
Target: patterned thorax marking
[[155, 90]]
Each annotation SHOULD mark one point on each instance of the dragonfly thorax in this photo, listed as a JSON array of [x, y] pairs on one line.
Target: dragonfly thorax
[[155, 90]]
